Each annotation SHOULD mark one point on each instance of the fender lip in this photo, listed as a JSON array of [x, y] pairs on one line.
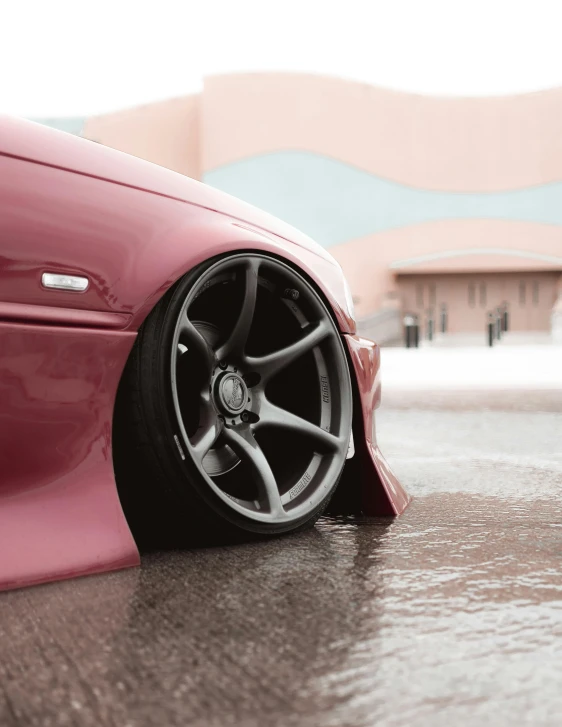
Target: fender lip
[[372, 487]]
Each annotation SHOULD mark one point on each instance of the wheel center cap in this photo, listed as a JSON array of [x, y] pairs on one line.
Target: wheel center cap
[[232, 393]]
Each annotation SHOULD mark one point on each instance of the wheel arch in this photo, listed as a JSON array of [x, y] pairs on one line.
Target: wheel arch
[[185, 248]]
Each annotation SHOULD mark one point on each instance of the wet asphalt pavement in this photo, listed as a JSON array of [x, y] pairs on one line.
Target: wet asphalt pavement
[[449, 615]]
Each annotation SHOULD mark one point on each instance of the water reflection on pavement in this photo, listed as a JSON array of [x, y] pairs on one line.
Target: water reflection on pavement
[[450, 615]]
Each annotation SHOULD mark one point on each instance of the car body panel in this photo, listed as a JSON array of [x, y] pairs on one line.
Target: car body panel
[[60, 514], [131, 244], [70, 206], [26, 140]]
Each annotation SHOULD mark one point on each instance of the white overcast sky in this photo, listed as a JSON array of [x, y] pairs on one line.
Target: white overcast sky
[[72, 57]]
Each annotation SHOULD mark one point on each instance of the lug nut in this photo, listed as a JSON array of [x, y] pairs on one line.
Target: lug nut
[[245, 416], [291, 294], [222, 364]]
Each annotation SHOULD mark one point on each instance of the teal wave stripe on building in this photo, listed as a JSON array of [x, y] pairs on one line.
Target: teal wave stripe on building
[[334, 202]]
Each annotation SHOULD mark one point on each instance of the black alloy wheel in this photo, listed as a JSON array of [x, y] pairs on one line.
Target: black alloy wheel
[[237, 398]]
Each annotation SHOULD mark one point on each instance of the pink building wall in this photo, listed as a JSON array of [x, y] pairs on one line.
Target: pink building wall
[[473, 185], [166, 133], [450, 144]]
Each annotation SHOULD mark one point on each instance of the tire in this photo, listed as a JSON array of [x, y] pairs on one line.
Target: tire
[[234, 411]]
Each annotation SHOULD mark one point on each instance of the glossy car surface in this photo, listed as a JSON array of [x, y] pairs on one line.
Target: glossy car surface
[[132, 229]]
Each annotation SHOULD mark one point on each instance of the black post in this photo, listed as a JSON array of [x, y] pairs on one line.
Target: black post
[[416, 332], [443, 318], [409, 322], [430, 329], [498, 324], [505, 318], [490, 327]]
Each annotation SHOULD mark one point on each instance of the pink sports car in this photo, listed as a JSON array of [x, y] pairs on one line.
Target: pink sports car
[[175, 366]]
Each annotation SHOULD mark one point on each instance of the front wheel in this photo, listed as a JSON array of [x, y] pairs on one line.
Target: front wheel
[[236, 403]]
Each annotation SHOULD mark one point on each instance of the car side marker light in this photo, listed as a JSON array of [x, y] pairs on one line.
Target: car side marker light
[[76, 283]]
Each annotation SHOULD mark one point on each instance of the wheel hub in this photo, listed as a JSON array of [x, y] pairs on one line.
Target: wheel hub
[[231, 393]]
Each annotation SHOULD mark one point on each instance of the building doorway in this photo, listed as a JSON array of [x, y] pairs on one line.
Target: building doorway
[[460, 302]]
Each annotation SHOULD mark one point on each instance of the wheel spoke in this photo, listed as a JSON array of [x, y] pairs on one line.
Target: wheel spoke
[[274, 416], [236, 343], [195, 340], [246, 447], [208, 432], [272, 363]]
